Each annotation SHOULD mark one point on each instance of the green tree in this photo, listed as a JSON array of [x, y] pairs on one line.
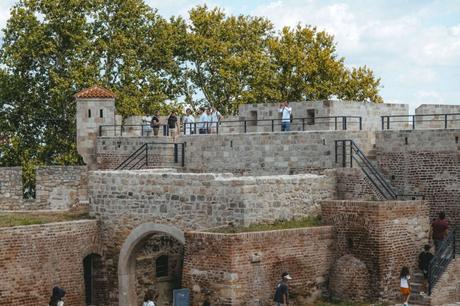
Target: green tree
[[53, 48], [227, 58], [360, 84]]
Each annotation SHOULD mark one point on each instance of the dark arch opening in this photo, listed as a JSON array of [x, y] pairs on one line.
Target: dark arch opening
[[94, 279]]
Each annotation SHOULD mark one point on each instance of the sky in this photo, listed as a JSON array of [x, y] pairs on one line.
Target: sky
[[412, 45]]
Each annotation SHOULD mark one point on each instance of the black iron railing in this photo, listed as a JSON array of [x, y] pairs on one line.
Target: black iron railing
[[240, 126], [347, 153], [154, 155], [423, 121], [441, 260], [132, 129]]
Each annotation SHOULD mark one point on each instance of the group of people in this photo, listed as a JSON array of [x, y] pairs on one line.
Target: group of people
[[439, 232], [206, 122]]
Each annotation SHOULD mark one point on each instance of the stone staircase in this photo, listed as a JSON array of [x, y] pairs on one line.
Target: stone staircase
[[417, 287]]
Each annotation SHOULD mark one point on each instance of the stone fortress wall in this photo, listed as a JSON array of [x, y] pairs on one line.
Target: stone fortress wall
[[269, 178], [57, 188]]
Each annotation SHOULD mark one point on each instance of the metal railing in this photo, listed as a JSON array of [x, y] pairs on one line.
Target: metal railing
[[132, 129], [273, 125], [153, 155], [441, 260], [240, 126], [347, 152], [422, 121]]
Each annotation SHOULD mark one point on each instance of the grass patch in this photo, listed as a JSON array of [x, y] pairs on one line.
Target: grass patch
[[277, 225], [29, 218], [345, 303]]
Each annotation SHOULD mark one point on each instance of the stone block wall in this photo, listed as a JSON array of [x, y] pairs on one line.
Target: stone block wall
[[425, 162], [384, 235], [10, 188], [352, 184], [437, 121], [123, 200], [192, 201], [369, 112], [252, 153], [60, 187], [267, 153], [34, 259], [243, 269]]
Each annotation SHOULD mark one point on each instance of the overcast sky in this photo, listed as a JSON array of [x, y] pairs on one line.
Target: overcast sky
[[412, 45]]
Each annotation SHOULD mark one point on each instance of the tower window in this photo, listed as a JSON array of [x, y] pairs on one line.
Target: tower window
[[162, 266], [101, 113], [89, 113]]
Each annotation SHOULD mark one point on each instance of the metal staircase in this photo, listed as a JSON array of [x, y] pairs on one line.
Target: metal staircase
[[347, 154]]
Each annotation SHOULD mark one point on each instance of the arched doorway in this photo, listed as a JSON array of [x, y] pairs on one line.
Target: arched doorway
[[127, 260]]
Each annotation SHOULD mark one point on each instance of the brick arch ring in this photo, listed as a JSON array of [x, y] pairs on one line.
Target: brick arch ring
[[127, 262]]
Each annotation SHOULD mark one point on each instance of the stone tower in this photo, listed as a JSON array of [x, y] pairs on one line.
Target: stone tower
[[95, 107]]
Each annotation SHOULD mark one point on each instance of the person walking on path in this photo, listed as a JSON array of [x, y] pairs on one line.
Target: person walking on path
[[424, 259], [56, 297], [282, 290], [405, 285], [286, 116], [150, 297], [172, 126], [439, 228]]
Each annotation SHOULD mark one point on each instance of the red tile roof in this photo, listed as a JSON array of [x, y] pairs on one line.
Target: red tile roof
[[95, 92]]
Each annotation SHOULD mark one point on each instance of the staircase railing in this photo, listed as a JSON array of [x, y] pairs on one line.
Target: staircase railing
[[347, 152], [441, 260], [155, 155]]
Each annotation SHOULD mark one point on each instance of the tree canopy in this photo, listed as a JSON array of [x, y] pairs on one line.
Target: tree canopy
[[53, 48]]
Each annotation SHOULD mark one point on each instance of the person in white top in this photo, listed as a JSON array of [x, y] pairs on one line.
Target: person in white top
[[149, 298], [189, 122], [286, 114], [405, 285], [203, 124], [215, 118]]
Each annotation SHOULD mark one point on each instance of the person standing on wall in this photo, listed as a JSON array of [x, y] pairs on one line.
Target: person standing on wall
[[56, 297], [282, 290], [189, 122], [155, 123], [215, 119], [172, 125], [286, 116], [204, 121], [439, 228]]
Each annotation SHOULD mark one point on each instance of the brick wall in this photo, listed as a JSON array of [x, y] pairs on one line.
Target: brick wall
[[437, 121], [10, 188], [34, 259], [243, 269], [425, 162], [60, 187], [447, 289], [385, 235]]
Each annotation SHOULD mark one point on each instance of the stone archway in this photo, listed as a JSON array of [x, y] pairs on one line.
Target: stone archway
[[126, 262]]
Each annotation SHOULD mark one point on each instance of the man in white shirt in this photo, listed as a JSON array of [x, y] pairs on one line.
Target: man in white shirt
[[286, 112], [215, 118], [189, 122], [203, 124]]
